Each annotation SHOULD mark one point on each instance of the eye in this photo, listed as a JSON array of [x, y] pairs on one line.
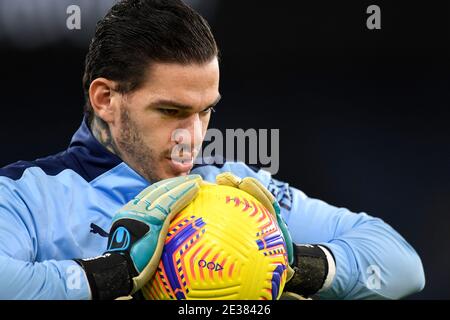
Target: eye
[[209, 110], [169, 112]]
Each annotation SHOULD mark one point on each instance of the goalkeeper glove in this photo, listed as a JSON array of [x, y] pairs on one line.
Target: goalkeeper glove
[[137, 237], [257, 190], [311, 267]]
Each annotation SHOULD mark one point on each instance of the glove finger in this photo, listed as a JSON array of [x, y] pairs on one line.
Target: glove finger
[[228, 179], [173, 201], [290, 273], [256, 189], [260, 186], [125, 298], [163, 187], [142, 203], [158, 184], [249, 185], [154, 186]]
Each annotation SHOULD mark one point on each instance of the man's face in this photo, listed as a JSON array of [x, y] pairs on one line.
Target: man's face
[[160, 127]]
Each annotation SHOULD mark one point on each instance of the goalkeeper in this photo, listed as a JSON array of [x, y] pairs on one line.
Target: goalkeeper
[[89, 222]]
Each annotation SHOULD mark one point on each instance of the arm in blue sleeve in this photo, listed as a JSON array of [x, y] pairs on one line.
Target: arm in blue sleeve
[[48, 280], [21, 277], [373, 261]]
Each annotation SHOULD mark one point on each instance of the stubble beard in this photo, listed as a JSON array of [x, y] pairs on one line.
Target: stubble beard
[[132, 145]]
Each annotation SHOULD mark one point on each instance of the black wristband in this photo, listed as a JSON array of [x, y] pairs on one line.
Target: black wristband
[[311, 270], [109, 276]]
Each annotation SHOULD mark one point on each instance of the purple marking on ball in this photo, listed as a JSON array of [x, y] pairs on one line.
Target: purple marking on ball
[[276, 280]]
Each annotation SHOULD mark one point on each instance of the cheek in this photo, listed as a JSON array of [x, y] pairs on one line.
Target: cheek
[[160, 139]]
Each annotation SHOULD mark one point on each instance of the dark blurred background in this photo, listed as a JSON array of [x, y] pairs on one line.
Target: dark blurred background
[[363, 114]]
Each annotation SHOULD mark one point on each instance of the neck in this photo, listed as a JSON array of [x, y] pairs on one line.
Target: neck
[[102, 133]]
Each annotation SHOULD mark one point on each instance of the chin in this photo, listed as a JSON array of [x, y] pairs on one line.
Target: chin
[[168, 175]]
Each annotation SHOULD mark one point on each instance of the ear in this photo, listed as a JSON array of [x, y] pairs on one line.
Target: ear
[[103, 99]]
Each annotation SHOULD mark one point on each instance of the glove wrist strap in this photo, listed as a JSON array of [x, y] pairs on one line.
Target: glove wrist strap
[[311, 270], [109, 276]]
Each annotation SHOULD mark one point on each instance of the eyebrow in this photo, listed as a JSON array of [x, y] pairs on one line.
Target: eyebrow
[[171, 103]]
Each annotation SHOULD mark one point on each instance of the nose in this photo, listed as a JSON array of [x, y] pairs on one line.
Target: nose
[[190, 133]]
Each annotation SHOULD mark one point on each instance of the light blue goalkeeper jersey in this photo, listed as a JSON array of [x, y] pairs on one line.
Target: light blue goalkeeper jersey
[[59, 208]]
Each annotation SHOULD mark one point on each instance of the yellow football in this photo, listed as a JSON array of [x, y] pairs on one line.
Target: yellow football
[[223, 245]]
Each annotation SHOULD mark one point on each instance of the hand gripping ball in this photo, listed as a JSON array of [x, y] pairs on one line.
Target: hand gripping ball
[[223, 245]]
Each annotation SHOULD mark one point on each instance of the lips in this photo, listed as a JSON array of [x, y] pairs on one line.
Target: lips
[[181, 158], [180, 166]]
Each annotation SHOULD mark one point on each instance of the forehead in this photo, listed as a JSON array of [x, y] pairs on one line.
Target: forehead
[[191, 84]]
